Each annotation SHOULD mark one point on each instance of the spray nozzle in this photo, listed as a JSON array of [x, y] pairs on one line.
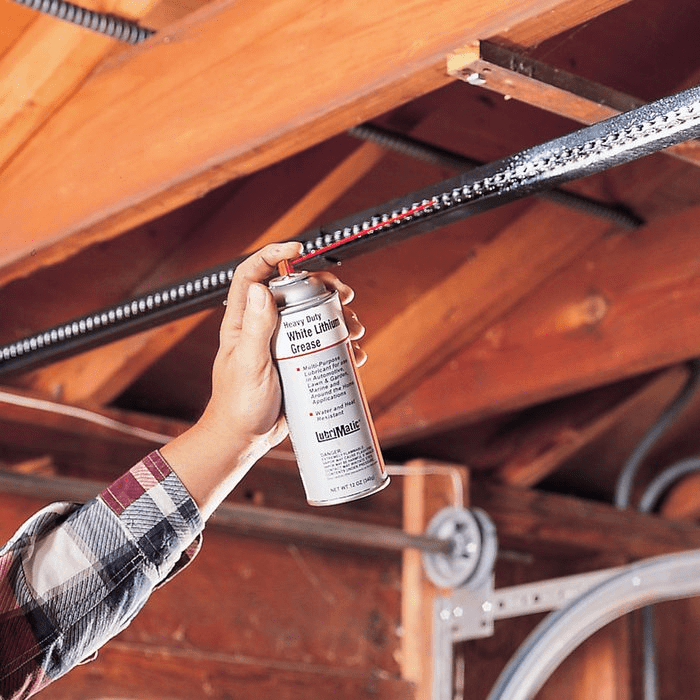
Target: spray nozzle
[[284, 268]]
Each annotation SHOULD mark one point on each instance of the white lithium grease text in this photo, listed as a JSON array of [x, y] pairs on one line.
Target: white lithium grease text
[[304, 334]]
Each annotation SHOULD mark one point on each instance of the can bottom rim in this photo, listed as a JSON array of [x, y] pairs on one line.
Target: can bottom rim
[[352, 497]]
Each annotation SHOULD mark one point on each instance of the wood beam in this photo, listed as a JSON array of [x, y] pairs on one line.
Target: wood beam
[[683, 499], [163, 123], [103, 443], [599, 669], [542, 445], [127, 670], [518, 76], [99, 376], [514, 75], [627, 307], [424, 494], [532, 31], [110, 425], [460, 308], [107, 426], [15, 20], [530, 520], [49, 61]]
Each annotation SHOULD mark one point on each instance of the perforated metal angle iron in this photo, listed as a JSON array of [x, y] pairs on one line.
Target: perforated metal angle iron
[[590, 150]]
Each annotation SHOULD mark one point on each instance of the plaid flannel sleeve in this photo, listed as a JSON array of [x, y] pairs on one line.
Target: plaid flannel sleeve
[[74, 576]]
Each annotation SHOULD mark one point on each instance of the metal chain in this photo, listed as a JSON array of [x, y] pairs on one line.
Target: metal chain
[[530, 167]]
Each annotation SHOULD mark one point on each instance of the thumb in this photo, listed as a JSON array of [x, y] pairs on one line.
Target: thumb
[[259, 323]]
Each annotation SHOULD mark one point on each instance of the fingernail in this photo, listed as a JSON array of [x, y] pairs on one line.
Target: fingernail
[[257, 297]]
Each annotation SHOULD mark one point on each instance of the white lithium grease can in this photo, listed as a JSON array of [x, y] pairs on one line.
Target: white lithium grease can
[[329, 422]]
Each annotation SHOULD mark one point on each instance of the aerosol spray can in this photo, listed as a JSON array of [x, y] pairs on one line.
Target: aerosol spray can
[[329, 422]]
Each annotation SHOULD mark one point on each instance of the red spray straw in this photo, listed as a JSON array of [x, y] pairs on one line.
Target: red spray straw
[[359, 234]]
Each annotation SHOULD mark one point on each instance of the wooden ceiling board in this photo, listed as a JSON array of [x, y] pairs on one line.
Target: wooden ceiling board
[[625, 308], [113, 162], [627, 50]]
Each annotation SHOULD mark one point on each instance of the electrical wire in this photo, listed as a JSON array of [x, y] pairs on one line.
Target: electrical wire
[[625, 481], [84, 414], [663, 481], [95, 418]]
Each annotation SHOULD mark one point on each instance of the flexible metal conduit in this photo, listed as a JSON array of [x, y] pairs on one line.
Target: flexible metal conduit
[[623, 495], [625, 481], [101, 22], [669, 577]]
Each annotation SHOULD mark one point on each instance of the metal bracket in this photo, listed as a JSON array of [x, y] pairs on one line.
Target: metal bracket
[[472, 607]]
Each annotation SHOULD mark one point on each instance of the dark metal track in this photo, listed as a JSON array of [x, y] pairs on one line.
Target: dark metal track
[[590, 150]]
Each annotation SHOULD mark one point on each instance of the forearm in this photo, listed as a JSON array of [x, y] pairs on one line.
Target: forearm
[[210, 464]]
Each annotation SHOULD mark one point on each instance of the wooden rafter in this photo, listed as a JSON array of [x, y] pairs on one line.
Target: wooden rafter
[[539, 447], [514, 76], [101, 375], [628, 307], [132, 143], [46, 60], [456, 311], [41, 71], [526, 517]]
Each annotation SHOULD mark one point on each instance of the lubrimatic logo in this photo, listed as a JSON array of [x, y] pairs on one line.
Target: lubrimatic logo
[[338, 431]]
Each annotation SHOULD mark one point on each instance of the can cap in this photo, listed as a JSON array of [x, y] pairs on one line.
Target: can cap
[[297, 288]]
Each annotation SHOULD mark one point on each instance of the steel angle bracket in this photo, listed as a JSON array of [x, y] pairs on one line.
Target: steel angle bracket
[[470, 610]]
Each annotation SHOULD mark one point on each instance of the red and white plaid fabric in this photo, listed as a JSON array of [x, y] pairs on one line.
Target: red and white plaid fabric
[[74, 576]]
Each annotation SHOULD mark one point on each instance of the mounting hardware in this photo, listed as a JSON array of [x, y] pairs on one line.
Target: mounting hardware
[[475, 79]]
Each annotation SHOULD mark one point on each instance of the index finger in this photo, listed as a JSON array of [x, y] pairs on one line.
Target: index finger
[[259, 267]]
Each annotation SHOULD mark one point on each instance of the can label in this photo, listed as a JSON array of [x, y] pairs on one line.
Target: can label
[[329, 423]]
